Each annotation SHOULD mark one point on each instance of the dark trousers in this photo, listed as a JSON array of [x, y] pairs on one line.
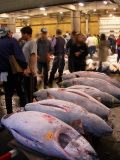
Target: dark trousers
[[45, 68], [70, 64], [113, 49], [100, 69], [14, 82], [92, 50], [58, 64], [30, 86], [79, 66]]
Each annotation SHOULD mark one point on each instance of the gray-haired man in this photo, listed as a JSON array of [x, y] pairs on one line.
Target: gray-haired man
[[59, 61]]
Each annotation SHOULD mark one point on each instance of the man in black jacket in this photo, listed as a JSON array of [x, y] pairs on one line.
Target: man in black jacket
[[79, 52], [69, 44], [8, 47], [59, 61]]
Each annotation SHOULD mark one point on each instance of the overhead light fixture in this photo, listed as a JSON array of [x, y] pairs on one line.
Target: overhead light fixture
[[111, 15], [45, 14], [61, 12], [25, 17], [81, 4], [95, 10], [114, 8], [43, 9], [105, 2]]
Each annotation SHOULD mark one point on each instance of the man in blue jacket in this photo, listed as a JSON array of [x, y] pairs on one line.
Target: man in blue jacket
[[8, 47]]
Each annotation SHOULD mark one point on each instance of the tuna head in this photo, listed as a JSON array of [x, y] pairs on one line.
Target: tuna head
[[76, 147]]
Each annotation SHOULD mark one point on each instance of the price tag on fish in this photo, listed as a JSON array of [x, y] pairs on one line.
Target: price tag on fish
[[49, 135]]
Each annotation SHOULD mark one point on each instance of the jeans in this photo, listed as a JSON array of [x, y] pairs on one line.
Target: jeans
[[58, 64], [92, 50], [113, 49], [45, 68], [14, 82]]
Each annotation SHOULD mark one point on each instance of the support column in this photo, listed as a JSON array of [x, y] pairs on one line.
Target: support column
[[11, 24], [87, 29], [75, 20]]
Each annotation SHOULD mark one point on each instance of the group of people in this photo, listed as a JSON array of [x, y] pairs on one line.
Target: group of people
[[34, 56], [114, 43]]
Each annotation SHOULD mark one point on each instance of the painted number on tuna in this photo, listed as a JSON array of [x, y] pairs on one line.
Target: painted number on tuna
[[49, 118], [49, 135]]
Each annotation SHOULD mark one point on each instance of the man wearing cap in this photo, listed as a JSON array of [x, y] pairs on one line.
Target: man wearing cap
[[59, 61], [44, 50], [8, 47]]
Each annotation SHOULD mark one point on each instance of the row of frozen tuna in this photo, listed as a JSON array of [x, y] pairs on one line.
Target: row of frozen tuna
[[46, 132], [111, 64]]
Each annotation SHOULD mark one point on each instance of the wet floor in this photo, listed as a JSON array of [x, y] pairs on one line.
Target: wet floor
[[108, 148]]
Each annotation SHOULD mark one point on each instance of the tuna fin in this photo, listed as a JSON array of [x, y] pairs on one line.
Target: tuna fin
[[50, 96], [77, 125], [98, 98], [35, 100], [75, 83], [77, 76]]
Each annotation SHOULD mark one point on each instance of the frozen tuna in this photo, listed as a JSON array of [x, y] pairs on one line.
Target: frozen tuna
[[92, 75], [77, 97], [72, 114], [48, 135], [100, 84], [105, 98]]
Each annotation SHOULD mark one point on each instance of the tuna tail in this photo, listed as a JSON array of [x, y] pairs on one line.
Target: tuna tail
[[77, 125], [50, 96]]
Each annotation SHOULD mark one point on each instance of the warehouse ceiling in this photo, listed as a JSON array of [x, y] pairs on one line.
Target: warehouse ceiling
[[17, 5]]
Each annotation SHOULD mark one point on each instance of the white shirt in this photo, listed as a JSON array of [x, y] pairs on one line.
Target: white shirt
[[90, 41], [68, 36]]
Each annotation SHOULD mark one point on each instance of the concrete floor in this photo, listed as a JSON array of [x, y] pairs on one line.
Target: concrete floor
[[108, 148]]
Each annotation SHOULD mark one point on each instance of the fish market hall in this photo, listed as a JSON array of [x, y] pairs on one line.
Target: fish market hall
[[60, 80]]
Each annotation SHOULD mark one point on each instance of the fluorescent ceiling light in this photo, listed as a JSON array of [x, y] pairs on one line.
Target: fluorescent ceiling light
[[61, 12], [45, 14], [111, 15], [4, 15], [81, 4], [25, 17], [95, 10], [114, 8], [42, 8], [105, 2]]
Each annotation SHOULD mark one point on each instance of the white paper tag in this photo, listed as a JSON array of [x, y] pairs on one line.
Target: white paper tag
[[3, 77], [82, 141]]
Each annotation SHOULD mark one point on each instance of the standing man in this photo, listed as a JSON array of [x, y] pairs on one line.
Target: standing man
[[59, 61], [91, 45], [96, 41], [113, 48], [68, 46], [44, 50], [30, 52], [8, 47], [68, 36], [118, 41]]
